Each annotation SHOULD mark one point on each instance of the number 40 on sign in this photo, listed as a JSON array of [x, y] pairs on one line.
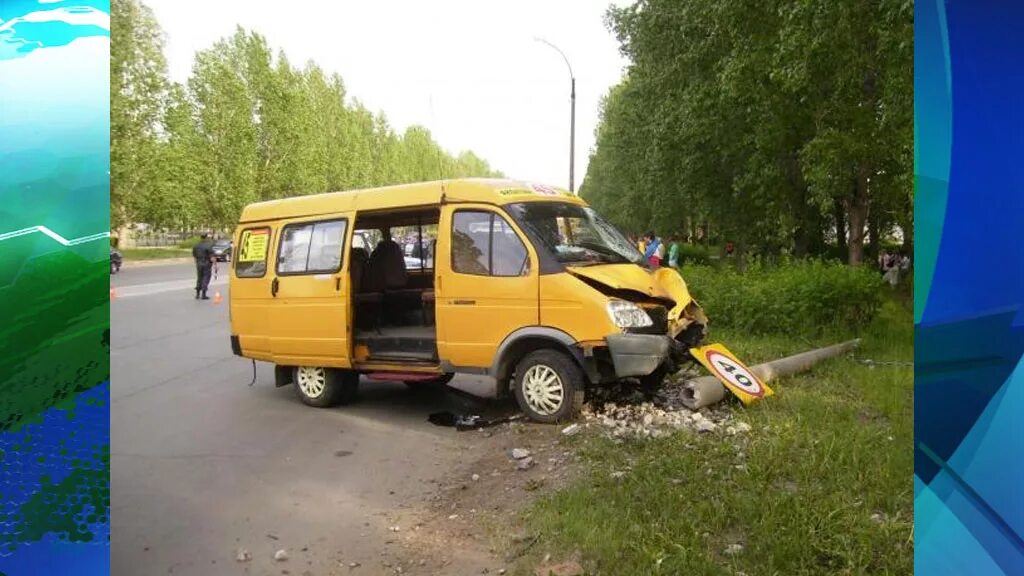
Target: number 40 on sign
[[733, 373]]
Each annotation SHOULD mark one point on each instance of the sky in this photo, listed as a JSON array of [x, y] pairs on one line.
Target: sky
[[470, 71]]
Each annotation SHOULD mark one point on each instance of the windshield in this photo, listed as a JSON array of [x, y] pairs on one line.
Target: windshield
[[575, 235]]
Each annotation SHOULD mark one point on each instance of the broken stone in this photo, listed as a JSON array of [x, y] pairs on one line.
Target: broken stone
[[571, 429], [561, 569], [618, 474], [742, 427], [394, 528], [705, 426], [243, 555], [525, 464], [281, 555], [453, 516], [733, 549], [475, 477], [353, 564], [520, 453]]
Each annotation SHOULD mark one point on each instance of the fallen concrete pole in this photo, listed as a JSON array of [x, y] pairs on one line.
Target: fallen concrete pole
[[708, 390]]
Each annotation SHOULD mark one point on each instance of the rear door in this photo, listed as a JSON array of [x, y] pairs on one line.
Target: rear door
[[309, 315], [486, 283]]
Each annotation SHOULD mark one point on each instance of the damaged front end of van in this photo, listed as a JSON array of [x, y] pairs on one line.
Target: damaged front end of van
[[657, 323]]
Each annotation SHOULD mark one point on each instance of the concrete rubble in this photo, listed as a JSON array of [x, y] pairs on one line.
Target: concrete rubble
[[626, 413]]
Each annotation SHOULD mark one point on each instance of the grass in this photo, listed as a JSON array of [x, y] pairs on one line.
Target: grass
[[154, 253], [831, 449]]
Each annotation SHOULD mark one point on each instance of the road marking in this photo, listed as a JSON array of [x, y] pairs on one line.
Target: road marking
[[153, 288], [60, 239]]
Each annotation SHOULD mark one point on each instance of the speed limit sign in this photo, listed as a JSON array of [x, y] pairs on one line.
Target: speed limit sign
[[733, 373]]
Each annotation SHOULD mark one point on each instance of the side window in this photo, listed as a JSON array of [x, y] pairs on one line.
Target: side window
[[251, 260], [325, 247], [312, 247], [509, 256], [484, 244]]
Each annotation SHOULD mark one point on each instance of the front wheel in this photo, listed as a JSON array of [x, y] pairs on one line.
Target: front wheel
[[548, 386], [324, 387]]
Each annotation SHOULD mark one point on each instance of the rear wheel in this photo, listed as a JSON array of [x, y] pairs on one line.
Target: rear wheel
[[548, 386], [323, 387]]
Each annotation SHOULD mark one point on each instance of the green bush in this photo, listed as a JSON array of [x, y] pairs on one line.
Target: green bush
[[802, 297], [189, 242], [694, 254]]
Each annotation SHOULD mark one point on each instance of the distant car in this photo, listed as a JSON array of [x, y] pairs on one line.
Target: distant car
[[222, 250], [115, 261]]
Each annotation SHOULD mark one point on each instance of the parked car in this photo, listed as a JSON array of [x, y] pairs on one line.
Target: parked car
[[222, 250], [115, 261]]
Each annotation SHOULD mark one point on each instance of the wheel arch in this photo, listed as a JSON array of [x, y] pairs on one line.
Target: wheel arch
[[525, 340]]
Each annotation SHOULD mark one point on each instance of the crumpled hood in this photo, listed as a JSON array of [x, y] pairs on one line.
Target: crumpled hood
[[661, 283]]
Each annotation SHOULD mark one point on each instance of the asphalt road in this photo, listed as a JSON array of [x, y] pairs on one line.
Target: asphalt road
[[202, 464]]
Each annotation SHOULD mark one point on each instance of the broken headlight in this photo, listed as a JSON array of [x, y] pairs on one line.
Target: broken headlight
[[628, 315]]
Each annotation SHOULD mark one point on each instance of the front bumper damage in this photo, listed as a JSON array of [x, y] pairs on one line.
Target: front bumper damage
[[641, 354]]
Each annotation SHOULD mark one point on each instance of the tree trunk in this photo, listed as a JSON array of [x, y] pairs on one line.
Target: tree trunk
[[839, 213], [875, 241], [857, 211]]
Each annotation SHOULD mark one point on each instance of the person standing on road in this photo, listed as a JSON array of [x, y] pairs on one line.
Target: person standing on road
[[203, 255]]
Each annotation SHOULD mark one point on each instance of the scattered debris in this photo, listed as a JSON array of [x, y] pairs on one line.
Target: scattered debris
[[623, 411], [281, 555], [705, 426], [618, 475], [733, 549], [562, 569], [463, 422], [571, 429], [453, 516], [353, 564], [525, 463], [243, 555], [475, 477], [520, 453], [394, 528]]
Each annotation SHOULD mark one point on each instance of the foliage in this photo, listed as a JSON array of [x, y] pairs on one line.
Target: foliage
[[691, 254], [247, 126], [797, 297], [770, 124]]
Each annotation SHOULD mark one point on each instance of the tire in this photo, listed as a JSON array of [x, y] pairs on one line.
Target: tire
[[438, 382], [325, 387], [533, 377]]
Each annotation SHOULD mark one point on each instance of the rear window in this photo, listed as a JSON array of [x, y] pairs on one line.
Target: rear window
[[251, 260]]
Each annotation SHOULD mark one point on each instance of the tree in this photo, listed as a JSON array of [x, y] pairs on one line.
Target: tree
[[137, 90]]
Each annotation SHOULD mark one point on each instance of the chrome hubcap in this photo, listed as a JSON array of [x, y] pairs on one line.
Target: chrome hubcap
[[543, 390], [312, 380]]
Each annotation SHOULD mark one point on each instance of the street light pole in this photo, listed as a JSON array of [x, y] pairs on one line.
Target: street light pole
[[572, 117]]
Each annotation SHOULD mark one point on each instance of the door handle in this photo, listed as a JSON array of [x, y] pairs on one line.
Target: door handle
[[464, 302], [337, 283], [273, 288]]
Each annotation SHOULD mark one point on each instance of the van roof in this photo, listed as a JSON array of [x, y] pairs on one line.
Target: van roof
[[483, 190]]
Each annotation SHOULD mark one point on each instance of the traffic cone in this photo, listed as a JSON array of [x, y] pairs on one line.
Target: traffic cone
[[216, 297]]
